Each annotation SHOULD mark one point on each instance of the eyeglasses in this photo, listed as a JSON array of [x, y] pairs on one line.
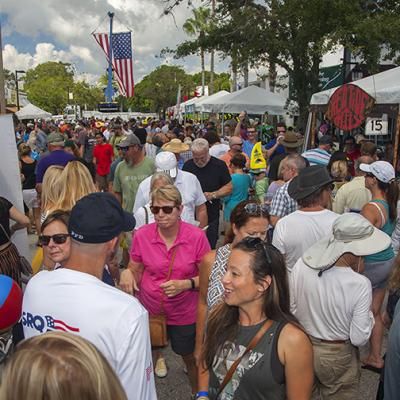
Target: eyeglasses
[[256, 209], [255, 243], [165, 209], [251, 131], [237, 144], [124, 149], [59, 238], [282, 131]]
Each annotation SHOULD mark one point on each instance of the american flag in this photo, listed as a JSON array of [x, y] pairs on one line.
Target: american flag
[[122, 59]]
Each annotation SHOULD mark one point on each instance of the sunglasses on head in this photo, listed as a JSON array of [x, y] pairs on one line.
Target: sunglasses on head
[[59, 238], [257, 209], [165, 209], [257, 243]]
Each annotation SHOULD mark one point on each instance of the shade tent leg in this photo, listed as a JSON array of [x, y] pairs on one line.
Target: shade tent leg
[[312, 128]]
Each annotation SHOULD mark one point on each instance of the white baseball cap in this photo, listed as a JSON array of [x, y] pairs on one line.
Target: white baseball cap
[[166, 162], [382, 170]]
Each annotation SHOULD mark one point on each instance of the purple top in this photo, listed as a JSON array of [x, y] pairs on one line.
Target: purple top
[[56, 157]]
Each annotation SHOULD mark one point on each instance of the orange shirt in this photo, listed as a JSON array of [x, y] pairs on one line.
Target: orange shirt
[[227, 159]]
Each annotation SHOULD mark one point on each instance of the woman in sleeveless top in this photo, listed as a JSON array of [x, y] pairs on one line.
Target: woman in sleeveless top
[[278, 364], [247, 219], [381, 211]]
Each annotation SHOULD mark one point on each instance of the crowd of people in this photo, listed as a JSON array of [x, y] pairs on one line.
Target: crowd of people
[[273, 303]]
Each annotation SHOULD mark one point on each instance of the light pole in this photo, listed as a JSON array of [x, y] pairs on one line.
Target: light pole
[[18, 71]]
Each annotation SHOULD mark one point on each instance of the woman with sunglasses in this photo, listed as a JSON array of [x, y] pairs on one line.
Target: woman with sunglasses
[[247, 220], [255, 348], [164, 269], [381, 211]]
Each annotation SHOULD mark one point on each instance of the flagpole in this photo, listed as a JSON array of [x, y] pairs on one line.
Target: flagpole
[[109, 90]]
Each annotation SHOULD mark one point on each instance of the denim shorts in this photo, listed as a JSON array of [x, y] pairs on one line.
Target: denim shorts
[[378, 272]]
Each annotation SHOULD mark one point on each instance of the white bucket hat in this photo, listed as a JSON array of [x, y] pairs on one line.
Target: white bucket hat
[[382, 170], [166, 162], [352, 233]]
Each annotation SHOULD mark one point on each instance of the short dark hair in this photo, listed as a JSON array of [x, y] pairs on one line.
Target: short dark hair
[[314, 198], [57, 215], [212, 137], [238, 160]]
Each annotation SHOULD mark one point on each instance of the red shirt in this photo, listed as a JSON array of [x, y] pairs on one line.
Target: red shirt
[[103, 154]]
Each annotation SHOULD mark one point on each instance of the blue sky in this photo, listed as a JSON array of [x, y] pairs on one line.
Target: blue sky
[[35, 31]]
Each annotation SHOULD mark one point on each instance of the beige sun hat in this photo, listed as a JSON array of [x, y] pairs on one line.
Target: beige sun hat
[[351, 233], [175, 146]]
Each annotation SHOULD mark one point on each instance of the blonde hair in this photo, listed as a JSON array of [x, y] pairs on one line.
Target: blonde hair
[[167, 193], [339, 170], [59, 366], [51, 188], [76, 182]]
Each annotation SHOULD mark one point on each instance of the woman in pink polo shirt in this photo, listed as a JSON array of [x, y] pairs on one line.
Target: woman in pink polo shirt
[[153, 248]]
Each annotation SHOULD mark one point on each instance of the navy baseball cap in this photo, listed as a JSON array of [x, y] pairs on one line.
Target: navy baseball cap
[[98, 218]]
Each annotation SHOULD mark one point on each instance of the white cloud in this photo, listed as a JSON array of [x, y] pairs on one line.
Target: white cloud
[[66, 28]]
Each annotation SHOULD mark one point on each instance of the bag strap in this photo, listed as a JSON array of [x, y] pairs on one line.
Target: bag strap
[[171, 263], [146, 215], [253, 343], [5, 233], [383, 219]]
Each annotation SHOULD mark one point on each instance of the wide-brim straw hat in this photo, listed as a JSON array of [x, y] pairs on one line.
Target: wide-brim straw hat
[[176, 146], [291, 140]]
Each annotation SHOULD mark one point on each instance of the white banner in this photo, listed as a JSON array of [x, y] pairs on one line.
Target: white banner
[[10, 179]]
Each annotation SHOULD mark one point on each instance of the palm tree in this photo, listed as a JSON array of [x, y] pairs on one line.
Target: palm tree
[[197, 26]]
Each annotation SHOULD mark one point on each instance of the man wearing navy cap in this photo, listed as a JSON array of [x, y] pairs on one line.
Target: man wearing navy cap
[[75, 300]]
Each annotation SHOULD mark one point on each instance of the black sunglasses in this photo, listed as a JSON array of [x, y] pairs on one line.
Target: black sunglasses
[[256, 209], [165, 209], [59, 238], [255, 243]]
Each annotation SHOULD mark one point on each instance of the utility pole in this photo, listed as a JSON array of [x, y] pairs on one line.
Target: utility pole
[[2, 91], [17, 86], [212, 55]]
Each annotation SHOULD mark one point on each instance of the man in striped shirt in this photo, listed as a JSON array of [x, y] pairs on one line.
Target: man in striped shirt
[[320, 155]]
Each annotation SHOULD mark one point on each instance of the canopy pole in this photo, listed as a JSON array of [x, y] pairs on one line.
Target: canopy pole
[[396, 139], [2, 91], [312, 128]]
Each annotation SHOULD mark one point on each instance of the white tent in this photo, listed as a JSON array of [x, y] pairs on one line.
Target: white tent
[[32, 112], [251, 99], [202, 104], [383, 87]]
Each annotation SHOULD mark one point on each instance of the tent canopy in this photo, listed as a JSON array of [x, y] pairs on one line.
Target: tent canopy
[[202, 105], [383, 87], [32, 112], [251, 99]]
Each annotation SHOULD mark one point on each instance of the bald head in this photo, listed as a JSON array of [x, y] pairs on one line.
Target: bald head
[[235, 144], [362, 160]]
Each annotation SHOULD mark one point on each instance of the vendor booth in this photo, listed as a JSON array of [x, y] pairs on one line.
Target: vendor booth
[[32, 112], [369, 106]]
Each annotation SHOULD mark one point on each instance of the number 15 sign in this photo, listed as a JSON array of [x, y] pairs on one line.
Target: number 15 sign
[[376, 126]]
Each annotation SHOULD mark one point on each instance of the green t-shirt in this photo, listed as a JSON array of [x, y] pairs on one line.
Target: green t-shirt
[[261, 188], [128, 178]]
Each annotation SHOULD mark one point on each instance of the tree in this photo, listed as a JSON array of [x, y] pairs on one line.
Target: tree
[[197, 26], [48, 85], [86, 95]]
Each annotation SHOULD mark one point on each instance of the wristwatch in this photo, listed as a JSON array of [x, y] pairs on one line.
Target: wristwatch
[[192, 282], [214, 195]]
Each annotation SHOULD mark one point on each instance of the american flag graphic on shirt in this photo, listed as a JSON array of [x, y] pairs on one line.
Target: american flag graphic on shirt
[[122, 59]]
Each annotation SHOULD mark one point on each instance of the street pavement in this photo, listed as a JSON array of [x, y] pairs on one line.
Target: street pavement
[[175, 386]]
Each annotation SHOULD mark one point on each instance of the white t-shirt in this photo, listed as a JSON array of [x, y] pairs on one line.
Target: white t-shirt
[[296, 232], [218, 150], [333, 306], [140, 216], [189, 187], [116, 323]]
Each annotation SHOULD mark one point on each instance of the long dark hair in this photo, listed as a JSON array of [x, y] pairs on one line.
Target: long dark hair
[[223, 322], [391, 191]]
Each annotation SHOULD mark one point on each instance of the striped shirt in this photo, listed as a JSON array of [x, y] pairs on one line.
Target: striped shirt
[[317, 156]]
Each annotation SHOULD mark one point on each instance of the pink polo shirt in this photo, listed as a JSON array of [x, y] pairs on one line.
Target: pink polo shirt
[[150, 250]]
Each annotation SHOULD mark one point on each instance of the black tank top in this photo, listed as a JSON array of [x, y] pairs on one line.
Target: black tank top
[[259, 376], [28, 170]]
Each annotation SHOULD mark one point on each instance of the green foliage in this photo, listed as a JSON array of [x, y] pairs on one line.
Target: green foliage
[[48, 84], [84, 94]]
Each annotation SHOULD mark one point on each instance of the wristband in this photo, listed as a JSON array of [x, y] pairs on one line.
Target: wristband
[[202, 394], [192, 282]]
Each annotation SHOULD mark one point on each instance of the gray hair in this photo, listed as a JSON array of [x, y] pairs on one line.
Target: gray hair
[[295, 161], [199, 145], [160, 176]]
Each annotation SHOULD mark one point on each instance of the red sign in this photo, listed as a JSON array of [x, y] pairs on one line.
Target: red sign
[[349, 106]]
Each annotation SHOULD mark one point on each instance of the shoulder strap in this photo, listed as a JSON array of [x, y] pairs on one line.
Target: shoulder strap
[[146, 215], [5, 233], [253, 343], [383, 219]]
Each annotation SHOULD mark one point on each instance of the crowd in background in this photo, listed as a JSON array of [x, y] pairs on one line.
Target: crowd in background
[[269, 278]]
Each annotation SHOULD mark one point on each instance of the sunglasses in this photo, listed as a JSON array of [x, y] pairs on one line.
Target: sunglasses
[[257, 243], [165, 209], [124, 149], [256, 209], [59, 238]]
